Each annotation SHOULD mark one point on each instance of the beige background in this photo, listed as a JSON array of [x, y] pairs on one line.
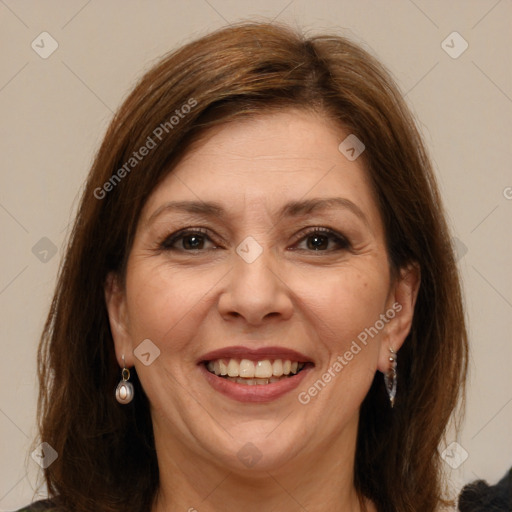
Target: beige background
[[55, 111]]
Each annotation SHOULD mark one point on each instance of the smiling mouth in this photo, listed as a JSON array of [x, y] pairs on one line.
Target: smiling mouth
[[251, 373]]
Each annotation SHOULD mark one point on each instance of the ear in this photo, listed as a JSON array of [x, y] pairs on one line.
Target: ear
[[115, 300], [401, 302]]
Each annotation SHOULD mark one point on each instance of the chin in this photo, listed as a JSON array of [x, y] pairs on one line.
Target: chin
[[253, 450]]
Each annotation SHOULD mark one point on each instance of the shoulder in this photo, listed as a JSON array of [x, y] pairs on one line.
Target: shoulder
[[38, 506]]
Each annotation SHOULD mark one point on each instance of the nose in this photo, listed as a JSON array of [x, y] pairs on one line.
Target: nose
[[256, 293]]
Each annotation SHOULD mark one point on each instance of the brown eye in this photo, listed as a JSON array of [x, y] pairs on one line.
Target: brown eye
[[318, 242], [321, 239], [187, 241], [192, 242]]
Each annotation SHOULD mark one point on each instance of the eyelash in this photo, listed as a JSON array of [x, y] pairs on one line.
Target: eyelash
[[167, 243]]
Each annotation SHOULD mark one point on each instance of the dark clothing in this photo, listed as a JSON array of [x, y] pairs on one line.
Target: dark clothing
[[479, 496], [38, 506]]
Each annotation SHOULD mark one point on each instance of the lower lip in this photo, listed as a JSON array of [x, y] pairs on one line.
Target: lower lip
[[256, 393]]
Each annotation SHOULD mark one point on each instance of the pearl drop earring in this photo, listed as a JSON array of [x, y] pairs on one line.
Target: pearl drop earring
[[124, 390]]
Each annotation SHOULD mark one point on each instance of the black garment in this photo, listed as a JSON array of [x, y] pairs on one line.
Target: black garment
[[479, 496], [38, 506]]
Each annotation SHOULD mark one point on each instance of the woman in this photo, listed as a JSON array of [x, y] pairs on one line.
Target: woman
[[259, 306]]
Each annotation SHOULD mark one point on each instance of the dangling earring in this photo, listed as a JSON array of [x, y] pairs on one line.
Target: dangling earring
[[124, 390], [390, 377]]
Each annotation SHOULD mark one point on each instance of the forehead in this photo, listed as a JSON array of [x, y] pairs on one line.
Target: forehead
[[268, 160]]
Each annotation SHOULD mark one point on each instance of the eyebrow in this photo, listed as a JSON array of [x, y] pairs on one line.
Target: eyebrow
[[291, 209]]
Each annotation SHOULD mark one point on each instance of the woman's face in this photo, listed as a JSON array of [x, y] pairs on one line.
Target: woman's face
[[262, 252]]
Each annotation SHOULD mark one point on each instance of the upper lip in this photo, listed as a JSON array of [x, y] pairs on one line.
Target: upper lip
[[255, 354]]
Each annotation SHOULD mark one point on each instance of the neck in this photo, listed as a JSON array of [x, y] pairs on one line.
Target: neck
[[314, 482]]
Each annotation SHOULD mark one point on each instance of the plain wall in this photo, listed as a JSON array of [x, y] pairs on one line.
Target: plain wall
[[54, 113]]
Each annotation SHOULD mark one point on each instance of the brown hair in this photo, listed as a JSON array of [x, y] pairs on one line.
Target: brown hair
[[107, 458]]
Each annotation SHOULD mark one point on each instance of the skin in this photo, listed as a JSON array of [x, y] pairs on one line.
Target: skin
[[191, 301]]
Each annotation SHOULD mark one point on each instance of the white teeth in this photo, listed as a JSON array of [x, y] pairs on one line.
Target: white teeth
[[263, 369], [247, 369], [254, 382], [223, 367], [233, 368], [277, 368], [254, 372]]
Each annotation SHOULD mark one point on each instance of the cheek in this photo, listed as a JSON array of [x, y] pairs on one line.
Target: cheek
[[164, 301], [344, 302]]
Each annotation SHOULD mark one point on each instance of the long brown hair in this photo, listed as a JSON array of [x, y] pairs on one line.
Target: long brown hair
[[107, 460]]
